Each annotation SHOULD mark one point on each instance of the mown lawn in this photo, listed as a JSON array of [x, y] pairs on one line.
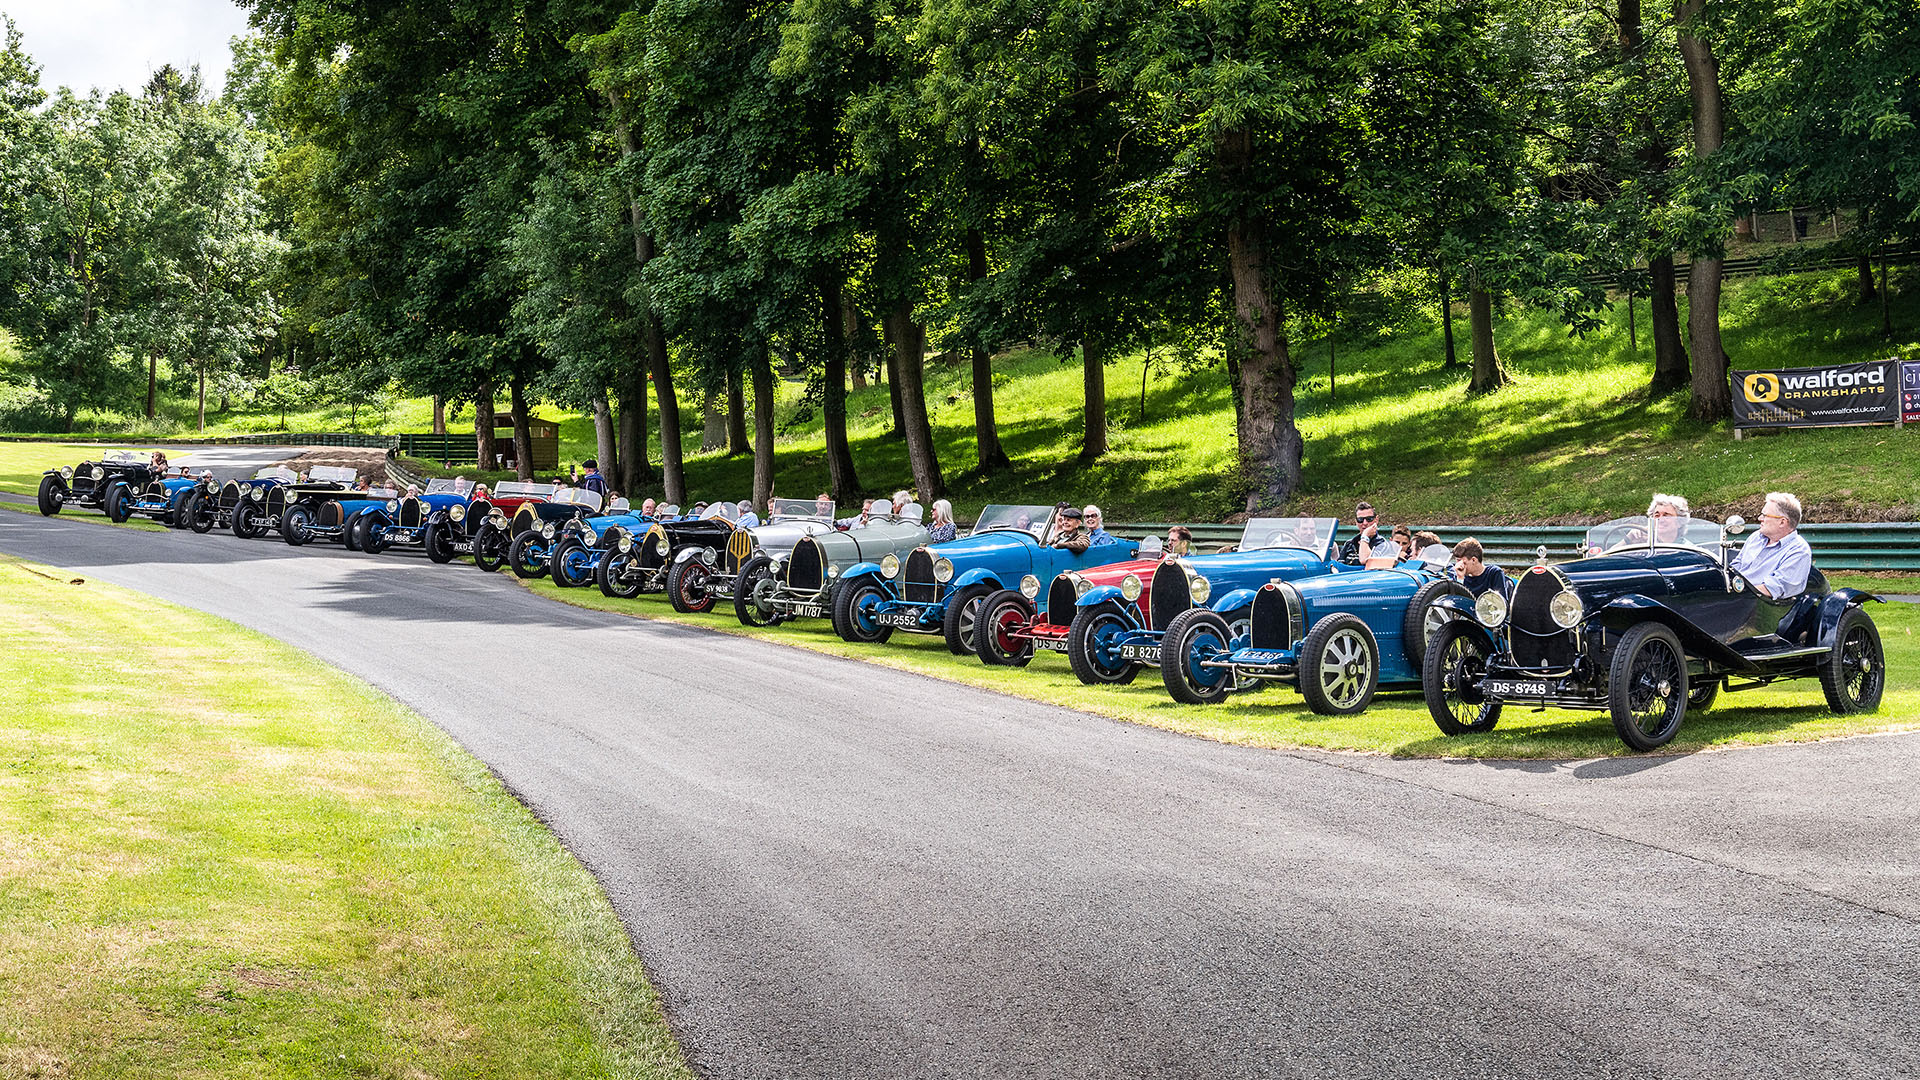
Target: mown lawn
[[1395, 724], [220, 858]]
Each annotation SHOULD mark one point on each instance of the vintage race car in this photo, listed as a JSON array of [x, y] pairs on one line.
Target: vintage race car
[[403, 521], [582, 543], [1013, 627], [536, 525], [235, 492], [715, 575], [330, 515], [87, 483], [938, 589], [813, 581], [164, 499], [489, 533], [655, 558], [1655, 620], [261, 504]]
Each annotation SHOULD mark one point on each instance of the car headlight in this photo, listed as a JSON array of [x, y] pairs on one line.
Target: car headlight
[[943, 570], [625, 545], [1130, 587], [660, 545], [99, 473], [256, 494], [587, 535], [456, 513], [1199, 588], [547, 531], [890, 566], [66, 472], [393, 506], [833, 571], [1566, 609], [1029, 586], [1490, 609], [1080, 585]]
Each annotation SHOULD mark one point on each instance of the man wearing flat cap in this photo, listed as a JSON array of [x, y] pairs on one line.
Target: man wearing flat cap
[[1072, 532]]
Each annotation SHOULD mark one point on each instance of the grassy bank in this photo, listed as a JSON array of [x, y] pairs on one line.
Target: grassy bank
[[1395, 724], [220, 858]]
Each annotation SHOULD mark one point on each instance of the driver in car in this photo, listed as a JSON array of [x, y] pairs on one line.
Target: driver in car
[[1777, 559]]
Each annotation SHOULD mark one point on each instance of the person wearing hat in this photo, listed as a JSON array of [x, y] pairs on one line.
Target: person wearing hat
[[593, 481], [747, 519], [1072, 534]]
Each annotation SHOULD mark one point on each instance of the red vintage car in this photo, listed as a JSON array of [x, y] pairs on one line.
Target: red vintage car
[[1016, 625]]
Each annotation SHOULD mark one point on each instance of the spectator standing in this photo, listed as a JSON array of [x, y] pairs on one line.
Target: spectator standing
[[593, 481]]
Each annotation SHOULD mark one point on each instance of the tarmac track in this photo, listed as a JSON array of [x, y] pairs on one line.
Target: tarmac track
[[836, 870]]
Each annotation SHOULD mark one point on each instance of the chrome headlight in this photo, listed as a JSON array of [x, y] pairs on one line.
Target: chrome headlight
[[456, 513], [1130, 587], [943, 570], [393, 506], [1080, 585], [256, 494], [499, 519], [66, 472], [625, 545], [587, 535], [1566, 609], [1199, 588], [890, 566], [660, 545], [99, 473], [833, 571], [1490, 609], [547, 531], [1029, 586]]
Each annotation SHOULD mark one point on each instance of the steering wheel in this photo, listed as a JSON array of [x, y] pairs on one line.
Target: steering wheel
[[1620, 536]]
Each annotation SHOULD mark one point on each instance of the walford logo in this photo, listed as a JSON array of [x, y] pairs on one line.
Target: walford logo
[[1769, 386]]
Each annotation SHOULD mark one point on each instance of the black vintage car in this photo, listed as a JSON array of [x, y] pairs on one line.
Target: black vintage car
[[679, 556], [88, 483], [1654, 620], [535, 527]]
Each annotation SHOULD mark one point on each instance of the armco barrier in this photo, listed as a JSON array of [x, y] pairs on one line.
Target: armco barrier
[[1893, 545]]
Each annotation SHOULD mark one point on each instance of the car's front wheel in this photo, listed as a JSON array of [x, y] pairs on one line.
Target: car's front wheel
[[1854, 671], [1193, 639], [373, 535], [855, 614], [1093, 646], [687, 587], [203, 511], [1647, 686], [52, 494], [1450, 675], [439, 543], [1339, 666], [962, 618], [119, 505], [294, 524], [571, 565], [527, 556], [751, 589], [489, 547], [1002, 614], [614, 577], [243, 526]]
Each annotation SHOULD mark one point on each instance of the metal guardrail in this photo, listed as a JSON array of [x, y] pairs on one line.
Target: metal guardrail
[[1892, 545], [400, 475]]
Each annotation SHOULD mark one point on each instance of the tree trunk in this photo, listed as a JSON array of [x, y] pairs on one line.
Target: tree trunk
[[909, 368], [604, 436], [1488, 374], [840, 474], [1270, 443], [486, 452], [986, 430], [439, 415], [1670, 368], [153, 378], [762, 428], [635, 473], [203, 399], [713, 428], [1886, 298], [736, 414], [1711, 399], [899, 429], [1867, 292], [858, 360], [522, 433], [653, 335], [1093, 385], [1446, 317]]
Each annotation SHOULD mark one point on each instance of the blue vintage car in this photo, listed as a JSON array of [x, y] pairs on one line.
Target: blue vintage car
[[260, 505], [164, 499], [939, 588], [235, 494], [581, 544], [328, 514], [537, 526], [403, 521]]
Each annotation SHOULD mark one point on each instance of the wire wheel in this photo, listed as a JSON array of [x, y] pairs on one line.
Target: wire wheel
[[752, 590], [1855, 671], [1647, 686], [489, 547], [1450, 676], [615, 577], [1002, 615], [687, 587]]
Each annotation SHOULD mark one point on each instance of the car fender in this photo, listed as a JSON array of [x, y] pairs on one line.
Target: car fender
[[863, 569], [1459, 607], [58, 479], [1098, 595], [686, 553], [1233, 601], [976, 576], [1835, 606], [1625, 611]]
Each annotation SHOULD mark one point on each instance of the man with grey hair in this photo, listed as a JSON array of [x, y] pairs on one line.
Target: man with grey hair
[[1777, 560], [1667, 512]]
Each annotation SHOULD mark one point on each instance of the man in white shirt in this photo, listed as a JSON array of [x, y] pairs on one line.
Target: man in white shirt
[[1777, 559]]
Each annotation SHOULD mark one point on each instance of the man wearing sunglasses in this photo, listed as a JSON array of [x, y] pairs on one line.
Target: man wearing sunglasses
[[1777, 560], [1369, 544]]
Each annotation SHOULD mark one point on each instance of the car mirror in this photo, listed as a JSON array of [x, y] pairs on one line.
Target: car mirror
[[1151, 546], [1736, 525]]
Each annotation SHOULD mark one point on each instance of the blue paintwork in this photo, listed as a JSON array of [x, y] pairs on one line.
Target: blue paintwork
[[997, 560], [392, 534], [1378, 598], [175, 489], [1233, 577]]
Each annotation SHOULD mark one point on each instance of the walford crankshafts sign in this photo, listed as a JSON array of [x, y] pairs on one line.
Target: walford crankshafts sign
[[1817, 396]]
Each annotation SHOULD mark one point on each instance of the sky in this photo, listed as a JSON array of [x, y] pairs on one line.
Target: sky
[[116, 44]]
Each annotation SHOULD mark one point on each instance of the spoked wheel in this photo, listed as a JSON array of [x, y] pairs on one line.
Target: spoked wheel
[[687, 587], [52, 495], [203, 512], [855, 614], [751, 590], [1647, 686], [1854, 672], [571, 565], [439, 543], [1702, 693], [962, 616], [527, 555], [294, 525], [1193, 638], [119, 505], [1001, 614], [489, 547], [613, 577], [1093, 646], [1455, 663], [1339, 666]]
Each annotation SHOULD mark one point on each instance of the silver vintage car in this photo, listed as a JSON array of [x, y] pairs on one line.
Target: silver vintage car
[[804, 584]]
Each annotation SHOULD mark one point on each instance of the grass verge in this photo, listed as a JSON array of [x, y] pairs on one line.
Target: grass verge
[[219, 857], [1397, 724]]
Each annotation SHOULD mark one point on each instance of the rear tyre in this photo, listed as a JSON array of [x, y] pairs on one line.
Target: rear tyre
[[294, 524], [350, 533], [687, 587], [962, 618], [1450, 676], [119, 504], [50, 495], [526, 558], [1001, 614], [1093, 650], [1702, 694], [1339, 666], [439, 543], [1854, 672], [751, 588], [1424, 618], [1647, 686], [612, 577], [853, 612]]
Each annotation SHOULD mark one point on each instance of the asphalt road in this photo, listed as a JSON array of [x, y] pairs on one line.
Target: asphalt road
[[840, 871]]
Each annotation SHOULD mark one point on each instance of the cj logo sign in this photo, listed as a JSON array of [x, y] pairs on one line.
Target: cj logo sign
[[1762, 388]]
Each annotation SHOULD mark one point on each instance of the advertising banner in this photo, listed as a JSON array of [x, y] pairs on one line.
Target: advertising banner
[[1817, 396], [1910, 391]]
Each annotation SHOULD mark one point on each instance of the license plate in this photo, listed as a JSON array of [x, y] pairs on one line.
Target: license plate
[[1051, 644], [808, 611], [1516, 687], [1259, 656], [1149, 654], [910, 617]]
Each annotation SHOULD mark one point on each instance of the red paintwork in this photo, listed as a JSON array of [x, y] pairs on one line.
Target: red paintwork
[[1110, 574]]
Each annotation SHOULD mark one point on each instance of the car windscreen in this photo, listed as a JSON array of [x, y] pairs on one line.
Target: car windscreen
[[1642, 533], [1032, 519], [1307, 534], [810, 508], [446, 486], [580, 497]]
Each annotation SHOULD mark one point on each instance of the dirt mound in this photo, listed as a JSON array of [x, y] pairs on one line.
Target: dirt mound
[[370, 464]]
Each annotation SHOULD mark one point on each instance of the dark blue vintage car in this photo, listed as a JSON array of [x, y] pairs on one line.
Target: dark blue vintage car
[[581, 544], [260, 505], [164, 499], [403, 521], [537, 526], [88, 483], [939, 588], [1654, 621]]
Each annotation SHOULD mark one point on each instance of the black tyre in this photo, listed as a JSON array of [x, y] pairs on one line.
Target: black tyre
[[119, 503], [51, 495], [489, 547], [1424, 618], [1450, 675], [1647, 686], [687, 587], [755, 582], [1701, 694], [527, 556], [243, 525], [294, 524], [1194, 637], [373, 539], [853, 615], [1339, 666], [203, 511], [962, 615], [612, 577], [350, 533], [1854, 672], [570, 566], [1092, 649], [439, 543], [1000, 614]]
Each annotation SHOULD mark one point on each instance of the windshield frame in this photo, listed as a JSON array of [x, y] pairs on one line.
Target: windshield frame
[[1005, 516], [1277, 538], [1638, 534], [783, 510]]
